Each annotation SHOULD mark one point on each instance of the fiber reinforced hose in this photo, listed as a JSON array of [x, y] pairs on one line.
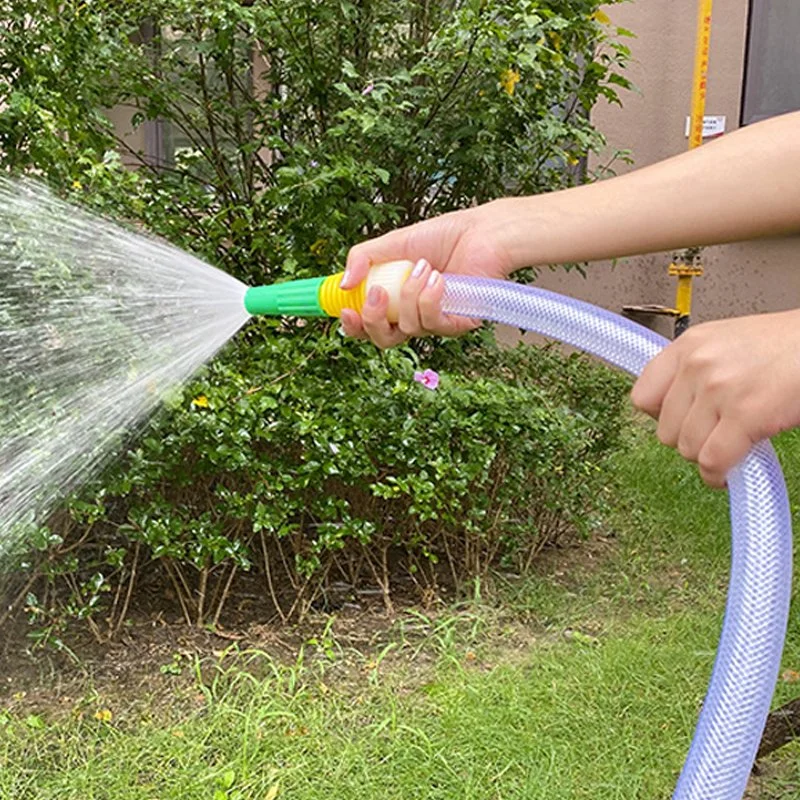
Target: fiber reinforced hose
[[748, 656]]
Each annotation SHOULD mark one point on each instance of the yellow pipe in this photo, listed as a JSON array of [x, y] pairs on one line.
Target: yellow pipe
[[683, 298], [702, 48]]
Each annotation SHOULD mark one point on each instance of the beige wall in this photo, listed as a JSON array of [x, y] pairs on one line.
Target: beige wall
[[740, 279], [132, 140]]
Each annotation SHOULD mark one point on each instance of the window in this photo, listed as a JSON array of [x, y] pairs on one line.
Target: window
[[772, 71], [185, 126], [163, 139]]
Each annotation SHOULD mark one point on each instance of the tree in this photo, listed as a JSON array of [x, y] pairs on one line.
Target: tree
[[296, 127]]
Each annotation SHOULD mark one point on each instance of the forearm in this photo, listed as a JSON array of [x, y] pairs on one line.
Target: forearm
[[742, 186]]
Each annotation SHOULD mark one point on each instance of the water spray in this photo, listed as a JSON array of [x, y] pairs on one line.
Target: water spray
[[748, 656], [98, 325]]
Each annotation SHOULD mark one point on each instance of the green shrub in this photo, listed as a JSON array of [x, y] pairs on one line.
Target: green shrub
[[52, 92], [317, 463]]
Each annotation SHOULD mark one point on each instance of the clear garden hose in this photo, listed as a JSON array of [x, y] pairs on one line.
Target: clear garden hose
[[748, 656]]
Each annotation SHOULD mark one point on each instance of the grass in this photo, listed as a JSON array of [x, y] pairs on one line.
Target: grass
[[586, 683], [567, 722]]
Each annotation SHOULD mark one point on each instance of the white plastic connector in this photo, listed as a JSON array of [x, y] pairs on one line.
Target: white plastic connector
[[390, 277]]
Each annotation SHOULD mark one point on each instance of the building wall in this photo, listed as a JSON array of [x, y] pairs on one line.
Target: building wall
[[741, 278], [132, 139]]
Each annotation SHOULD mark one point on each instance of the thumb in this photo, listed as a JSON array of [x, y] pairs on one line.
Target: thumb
[[389, 247]]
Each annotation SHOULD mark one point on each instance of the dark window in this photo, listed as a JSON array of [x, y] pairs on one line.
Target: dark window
[[772, 77]]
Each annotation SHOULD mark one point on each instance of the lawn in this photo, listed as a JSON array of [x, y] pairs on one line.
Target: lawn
[[584, 682]]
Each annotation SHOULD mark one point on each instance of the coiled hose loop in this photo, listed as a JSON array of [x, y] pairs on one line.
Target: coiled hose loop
[[748, 656]]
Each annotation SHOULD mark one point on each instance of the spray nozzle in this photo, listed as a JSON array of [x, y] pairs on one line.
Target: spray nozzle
[[323, 297]]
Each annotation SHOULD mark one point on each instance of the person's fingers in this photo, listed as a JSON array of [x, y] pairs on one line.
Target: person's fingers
[[392, 246], [727, 445], [696, 428], [456, 326], [651, 388], [376, 325], [430, 302], [409, 315], [674, 408], [352, 324], [432, 319]]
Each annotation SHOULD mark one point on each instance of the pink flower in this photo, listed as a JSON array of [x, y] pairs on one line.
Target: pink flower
[[429, 379], [368, 89]]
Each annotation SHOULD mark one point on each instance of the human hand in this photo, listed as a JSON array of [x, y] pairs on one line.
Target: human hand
[[467, 242], [723, 386]]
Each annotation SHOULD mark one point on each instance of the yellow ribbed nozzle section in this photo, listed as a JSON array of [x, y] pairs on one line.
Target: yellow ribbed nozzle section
[[333, 299]]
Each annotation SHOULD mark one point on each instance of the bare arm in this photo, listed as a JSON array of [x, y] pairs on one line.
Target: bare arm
[[743, 186]]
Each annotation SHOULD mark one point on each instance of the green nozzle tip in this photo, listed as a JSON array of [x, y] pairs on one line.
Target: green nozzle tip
[[291, 299]]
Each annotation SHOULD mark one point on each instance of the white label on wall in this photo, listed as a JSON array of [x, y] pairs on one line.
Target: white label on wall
[[712, 126]]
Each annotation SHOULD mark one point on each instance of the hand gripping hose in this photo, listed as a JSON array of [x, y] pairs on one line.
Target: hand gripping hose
[[748, 656]]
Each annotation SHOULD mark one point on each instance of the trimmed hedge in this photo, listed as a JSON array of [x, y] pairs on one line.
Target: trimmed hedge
[[321, 465]]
